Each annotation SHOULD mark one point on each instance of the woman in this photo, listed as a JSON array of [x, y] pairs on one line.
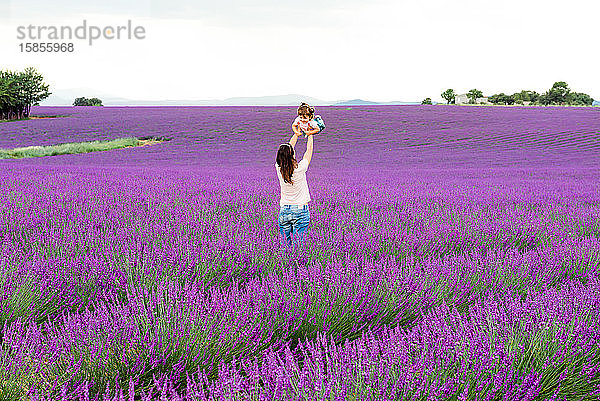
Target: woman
[[294, 216]]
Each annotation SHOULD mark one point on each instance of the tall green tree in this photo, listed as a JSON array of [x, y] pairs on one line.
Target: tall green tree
[[33, 88], [8, 94], [448, 95], [19, 91], [558, 93], [473, 94]]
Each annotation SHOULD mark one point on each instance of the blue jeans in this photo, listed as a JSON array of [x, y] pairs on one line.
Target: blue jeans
[[293, 219]]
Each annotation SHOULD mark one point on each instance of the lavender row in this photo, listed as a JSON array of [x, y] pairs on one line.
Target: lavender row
[[385, 137], [118, 261], [544, 346], [443, 260]]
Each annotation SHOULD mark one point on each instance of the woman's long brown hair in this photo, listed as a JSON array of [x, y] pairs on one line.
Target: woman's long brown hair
[[286, 161]]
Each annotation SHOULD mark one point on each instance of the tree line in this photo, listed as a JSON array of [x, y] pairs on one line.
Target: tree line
[[560, 95], [83, 101], [19, 90]]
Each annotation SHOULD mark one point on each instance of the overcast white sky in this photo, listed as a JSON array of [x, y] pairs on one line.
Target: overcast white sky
[[329, 49]]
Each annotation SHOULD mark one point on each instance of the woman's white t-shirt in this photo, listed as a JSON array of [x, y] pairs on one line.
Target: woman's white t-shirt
[[296, 194]]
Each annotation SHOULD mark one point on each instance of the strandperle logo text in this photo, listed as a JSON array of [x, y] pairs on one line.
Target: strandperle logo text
[[84, 31]]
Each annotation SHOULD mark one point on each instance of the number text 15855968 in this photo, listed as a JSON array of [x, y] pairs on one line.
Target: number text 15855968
[[46, 47]]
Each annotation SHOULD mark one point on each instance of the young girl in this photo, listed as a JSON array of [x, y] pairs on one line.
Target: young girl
[[305, 123]]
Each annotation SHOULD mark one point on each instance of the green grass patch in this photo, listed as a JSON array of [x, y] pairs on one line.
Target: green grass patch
[[78, 147], [30, 118]]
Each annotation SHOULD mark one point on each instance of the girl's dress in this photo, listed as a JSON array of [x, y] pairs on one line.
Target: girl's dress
[[307, 126]]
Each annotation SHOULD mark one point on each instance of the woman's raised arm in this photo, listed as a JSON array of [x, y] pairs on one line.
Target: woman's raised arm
[[294, 139], [309, 149]]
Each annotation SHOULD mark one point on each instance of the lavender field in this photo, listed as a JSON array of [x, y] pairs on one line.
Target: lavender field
[[453, 254]]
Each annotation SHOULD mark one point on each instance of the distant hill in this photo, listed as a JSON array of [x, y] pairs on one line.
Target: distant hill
[[65, 97], [354, 102], [278, 100], [360, 102], [596, 103]]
